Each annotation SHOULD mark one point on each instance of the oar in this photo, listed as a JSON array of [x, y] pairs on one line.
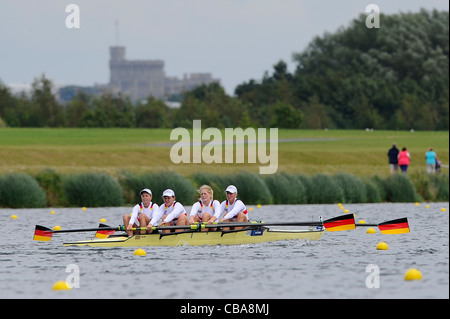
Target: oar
[[42, 233], [391, 227], [344, 222], [102, 234]]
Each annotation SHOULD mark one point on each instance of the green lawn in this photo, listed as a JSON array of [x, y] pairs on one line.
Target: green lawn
[[112, 150]]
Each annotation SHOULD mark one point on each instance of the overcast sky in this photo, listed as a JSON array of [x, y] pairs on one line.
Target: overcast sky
[[235, 40]]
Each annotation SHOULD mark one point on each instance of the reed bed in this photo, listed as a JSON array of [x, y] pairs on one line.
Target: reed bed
[[92, 189], [399, 188], [51, 189], [18, 190]]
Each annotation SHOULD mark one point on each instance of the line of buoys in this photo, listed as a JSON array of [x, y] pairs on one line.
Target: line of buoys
[[443, 209]]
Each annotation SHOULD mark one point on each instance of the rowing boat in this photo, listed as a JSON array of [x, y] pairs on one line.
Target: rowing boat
[[251, 233], [196, 238]]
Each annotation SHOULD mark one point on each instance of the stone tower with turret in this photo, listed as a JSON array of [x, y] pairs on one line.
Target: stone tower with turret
[[139, 78]]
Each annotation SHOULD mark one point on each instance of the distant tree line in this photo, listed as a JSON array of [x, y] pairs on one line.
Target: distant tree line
[[394, 77]]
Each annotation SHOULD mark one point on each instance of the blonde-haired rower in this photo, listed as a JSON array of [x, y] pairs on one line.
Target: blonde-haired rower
[[206, 209]]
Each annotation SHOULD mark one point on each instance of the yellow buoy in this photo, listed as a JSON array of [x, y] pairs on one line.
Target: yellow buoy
[[57, 227], [83, 208], [52, 212], [13, 216], [413, 274], [417, 204], [103, 220], [427, 206], [346, 211], [139, 252], [443, 209], [61, 285], [362, 221], [259, 205], [371, 231], [250, 209], [382, 246]]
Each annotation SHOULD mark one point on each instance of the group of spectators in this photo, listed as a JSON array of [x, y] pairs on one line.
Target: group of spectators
[[403, 158]]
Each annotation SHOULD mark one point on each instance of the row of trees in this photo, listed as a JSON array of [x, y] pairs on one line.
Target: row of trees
[[209, 103], [394, 77]]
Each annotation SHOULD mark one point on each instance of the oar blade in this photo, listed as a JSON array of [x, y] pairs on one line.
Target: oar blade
[[42, 233], [102, 234], [396, 226], [340, 223]]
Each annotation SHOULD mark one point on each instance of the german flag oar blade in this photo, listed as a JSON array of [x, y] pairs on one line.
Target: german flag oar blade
[[102, 234], [42, 233], [396, 226], [340, 223]]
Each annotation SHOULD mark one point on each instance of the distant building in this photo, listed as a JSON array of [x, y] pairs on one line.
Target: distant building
[[141, 78]]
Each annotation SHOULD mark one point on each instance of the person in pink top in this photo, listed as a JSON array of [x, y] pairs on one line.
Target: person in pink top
[[404, 159]]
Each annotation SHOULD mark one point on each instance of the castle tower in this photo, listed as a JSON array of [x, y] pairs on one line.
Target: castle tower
[[138, 79], [117, 53]]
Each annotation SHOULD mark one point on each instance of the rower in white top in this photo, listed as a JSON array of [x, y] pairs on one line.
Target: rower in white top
[[235, 210], [145, 214], [206, 210], [173, 212]]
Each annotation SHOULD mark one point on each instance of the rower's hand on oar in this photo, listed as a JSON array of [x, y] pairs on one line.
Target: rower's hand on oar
[[130, 227], [149, 227]]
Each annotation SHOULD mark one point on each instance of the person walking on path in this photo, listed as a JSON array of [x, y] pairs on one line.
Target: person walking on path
[[393, 158], [404, 159], [430, 161]]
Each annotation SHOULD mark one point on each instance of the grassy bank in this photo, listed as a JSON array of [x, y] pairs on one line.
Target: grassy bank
[[306, 152], [67, 165], [51, 189]]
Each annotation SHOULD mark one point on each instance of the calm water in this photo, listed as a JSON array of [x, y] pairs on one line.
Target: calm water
[[333, 267]]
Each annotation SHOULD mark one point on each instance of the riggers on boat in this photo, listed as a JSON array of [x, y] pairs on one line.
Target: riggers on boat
[[196, 238]]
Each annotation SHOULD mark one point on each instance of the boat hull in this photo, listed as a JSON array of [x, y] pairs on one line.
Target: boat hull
[[202, 238]]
